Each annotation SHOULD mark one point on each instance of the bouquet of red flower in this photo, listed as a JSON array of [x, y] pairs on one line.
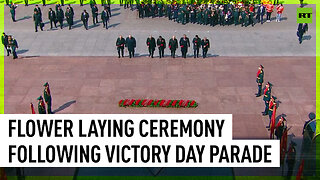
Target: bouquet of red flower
[[158, 103]]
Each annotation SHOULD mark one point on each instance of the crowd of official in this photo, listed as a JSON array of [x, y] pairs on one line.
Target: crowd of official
[[173, 44]]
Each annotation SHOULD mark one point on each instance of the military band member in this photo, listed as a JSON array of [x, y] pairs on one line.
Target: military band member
[[41, 106], [60, 16], [95, 14], [85, 18], [120, 45], [161, 46], [69, 17], [131, 45], [173, 46], [47, 97], [196, 46], [259, 80], [37, 21], [205, 46], [151, 44], [184, 44], [267, 97], [105, 18], [52, 17], [13, 44], [5, 42]]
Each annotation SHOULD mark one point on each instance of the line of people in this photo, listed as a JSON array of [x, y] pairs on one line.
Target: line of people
[[184, 43], [212, 14]]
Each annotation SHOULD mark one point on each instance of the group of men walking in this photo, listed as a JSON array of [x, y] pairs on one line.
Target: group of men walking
[[173, 44], [212, 14], [10, 44]]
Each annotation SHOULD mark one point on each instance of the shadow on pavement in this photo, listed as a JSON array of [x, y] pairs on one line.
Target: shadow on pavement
[[64, 106], [24, 18], [113, 25], [21, 51]]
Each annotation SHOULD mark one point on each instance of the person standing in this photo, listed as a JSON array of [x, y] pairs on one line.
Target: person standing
[[120, 43], [85, 18], [269, 8], [13, 44], [300, 32], [291, 158], [37, 21], [161, 46], [259, 80], [37, 8], [41, 106], [205, 46], [72, 12], [184, 44], [131, 45], [105, 18], [94, 11], [272, 108], [60, 16], [5, 42], [280, 9], [44, 2], [47, 97], [69, 17], [13, 12], [266, 98], [280, 127], [196, 46], [151, 44], [52, 17], [260, 13], [173, 46]]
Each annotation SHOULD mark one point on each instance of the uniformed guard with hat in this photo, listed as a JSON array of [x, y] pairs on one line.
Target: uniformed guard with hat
[[41, 106], [259, 80], [47, 97], [272, 105], [267, 97]]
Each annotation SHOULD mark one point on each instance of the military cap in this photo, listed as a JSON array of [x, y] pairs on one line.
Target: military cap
[[261, 66], [46, 84], [273, 97], [270, 84], [39, 98]]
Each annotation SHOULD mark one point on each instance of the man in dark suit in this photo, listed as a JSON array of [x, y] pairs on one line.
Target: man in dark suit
[[173, 46], [95, 14], [52, 17], [131, 44], [196, 46], [151, 43], [85, 18], [205, 46], [5, 43], [60, 16], [161, 45], [120, 43], [184, 44], [105, 18], [260, 13]]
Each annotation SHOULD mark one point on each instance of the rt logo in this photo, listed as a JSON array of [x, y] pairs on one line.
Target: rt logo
[[304, 15]]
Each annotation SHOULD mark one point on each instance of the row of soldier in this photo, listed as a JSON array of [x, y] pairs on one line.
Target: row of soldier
[[214, 14], [173, 44], [278, 128]]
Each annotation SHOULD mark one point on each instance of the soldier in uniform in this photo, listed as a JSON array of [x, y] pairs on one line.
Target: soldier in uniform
[[259, 80], [173, 46], [52, 18], [205, 46], [13, 44], [105, 18], [120, 43], [280, 127], [37, 21], [95, 14], [47, 97], [184, 44], [60, 16], [131, 45], [69, 17], [151, 43], [5, 42], [291, 158], [161, 46], [196, 46], [272, 105], [41, 106], [85, 18], [267, 97]]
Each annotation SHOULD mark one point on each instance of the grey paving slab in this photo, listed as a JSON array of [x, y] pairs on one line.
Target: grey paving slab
[[269, 39]]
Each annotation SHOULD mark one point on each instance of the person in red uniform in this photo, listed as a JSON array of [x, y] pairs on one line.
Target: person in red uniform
[[280, 9], [269, 8]]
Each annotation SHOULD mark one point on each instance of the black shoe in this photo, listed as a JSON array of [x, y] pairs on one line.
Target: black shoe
[[118, 56]]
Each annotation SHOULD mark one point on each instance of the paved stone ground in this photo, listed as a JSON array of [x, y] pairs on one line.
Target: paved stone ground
[[220, 85], [269, 39]]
